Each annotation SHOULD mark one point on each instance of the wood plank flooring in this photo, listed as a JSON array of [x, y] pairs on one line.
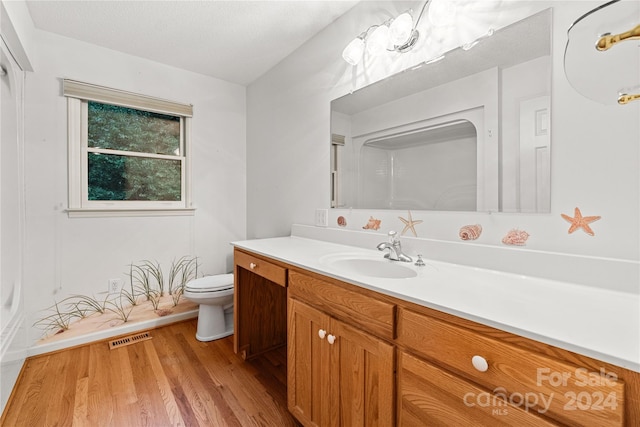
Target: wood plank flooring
[[170, 380]]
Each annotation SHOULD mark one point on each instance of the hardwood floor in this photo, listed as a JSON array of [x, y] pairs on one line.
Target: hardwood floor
[[169, 380]]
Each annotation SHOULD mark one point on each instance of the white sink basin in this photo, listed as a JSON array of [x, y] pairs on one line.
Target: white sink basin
[[379, 267]]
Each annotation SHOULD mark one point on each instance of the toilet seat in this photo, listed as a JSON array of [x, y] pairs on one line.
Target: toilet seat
[[217, 283]]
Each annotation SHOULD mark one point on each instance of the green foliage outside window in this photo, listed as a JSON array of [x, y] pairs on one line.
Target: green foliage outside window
[[122, 177]]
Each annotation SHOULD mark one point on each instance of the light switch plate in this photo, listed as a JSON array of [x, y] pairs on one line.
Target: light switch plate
[[322, 217]]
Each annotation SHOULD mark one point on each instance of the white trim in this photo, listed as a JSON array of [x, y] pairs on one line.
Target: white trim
[[12, 40], [74, 131], [186, 170], [133, 154], [129, 327], [117, 212], [84, 156], [91, 92], [133, 204], [78, 150]]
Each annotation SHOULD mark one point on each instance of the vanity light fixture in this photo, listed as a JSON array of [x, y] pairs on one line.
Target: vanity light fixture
[[606, 42], [399, 35], [603, 42], [354, 50], [402, 32], [378, 40]]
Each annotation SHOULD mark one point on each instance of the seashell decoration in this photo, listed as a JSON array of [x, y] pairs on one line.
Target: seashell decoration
[[470, 232], [372, 224], [515, 237], [342, 222]]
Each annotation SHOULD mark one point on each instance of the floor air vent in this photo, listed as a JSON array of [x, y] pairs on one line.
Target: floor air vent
[[131, 339]]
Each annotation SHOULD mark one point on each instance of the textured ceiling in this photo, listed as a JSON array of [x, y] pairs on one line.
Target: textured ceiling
[[237, 41]]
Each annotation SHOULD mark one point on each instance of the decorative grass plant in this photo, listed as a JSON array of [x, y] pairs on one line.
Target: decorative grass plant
[[88, 304], [180, 274], [122, 311], [145, 279], [154, 270], [57, 321], [142, 277]]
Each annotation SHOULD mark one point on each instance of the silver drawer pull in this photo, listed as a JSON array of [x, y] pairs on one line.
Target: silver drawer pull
[[253, 265], [480, 363]]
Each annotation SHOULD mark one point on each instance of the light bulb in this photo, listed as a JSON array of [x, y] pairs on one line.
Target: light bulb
[[378, 41], [400, 29], [353, 52]]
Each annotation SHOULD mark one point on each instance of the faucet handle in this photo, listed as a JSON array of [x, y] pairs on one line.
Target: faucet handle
[[420, 262], [393, 236]]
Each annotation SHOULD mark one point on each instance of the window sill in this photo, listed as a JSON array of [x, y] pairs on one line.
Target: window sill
[[103, 213]]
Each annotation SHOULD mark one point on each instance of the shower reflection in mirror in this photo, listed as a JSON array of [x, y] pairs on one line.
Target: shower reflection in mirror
[[468, 133]]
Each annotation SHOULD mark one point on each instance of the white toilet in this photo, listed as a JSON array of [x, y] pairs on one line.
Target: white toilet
[[215, 296]]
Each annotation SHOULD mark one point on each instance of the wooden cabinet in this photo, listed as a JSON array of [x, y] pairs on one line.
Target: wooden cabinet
[[308, 365], [358, 307], [430, 396], [260, 304], [566, 392], [262, 267], [338, 375], [360, 358]]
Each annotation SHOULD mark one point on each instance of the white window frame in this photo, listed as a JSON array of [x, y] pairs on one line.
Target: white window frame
[[78, 96]]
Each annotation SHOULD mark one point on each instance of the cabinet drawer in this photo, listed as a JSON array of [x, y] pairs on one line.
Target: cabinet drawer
[[429, 396], [259, 266], [565, 392], [366, 312]]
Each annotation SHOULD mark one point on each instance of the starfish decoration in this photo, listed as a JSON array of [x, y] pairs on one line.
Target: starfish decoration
[[409, 224], [579, 221]]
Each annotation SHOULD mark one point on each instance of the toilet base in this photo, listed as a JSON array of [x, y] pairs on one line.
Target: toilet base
[[214, 323]]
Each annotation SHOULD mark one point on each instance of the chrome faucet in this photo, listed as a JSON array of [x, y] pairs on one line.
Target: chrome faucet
[[395, 248]]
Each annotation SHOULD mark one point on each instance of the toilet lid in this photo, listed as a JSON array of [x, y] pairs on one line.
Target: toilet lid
[[219, 282]]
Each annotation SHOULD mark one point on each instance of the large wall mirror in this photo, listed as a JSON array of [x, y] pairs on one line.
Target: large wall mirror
[[467, 133]]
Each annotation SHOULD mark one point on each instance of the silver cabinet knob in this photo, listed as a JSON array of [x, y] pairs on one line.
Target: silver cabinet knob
[[322, 333]]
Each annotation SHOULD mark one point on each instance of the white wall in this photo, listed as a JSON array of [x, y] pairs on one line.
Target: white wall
[[595, 156], [68, 256]]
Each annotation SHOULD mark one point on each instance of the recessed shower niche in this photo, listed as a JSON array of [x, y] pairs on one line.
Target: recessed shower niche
[[394, 167]]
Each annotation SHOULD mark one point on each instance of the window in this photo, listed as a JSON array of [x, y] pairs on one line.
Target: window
[[128, 153]]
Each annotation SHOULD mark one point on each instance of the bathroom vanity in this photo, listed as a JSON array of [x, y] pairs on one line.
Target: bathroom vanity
[[422, 350], [260, 304]]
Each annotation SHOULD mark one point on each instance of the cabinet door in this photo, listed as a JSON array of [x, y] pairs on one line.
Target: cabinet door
[[337, 375], [308, 388], [362, 376]]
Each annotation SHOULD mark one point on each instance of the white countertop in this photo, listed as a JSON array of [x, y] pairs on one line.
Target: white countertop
[[599, 323]]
